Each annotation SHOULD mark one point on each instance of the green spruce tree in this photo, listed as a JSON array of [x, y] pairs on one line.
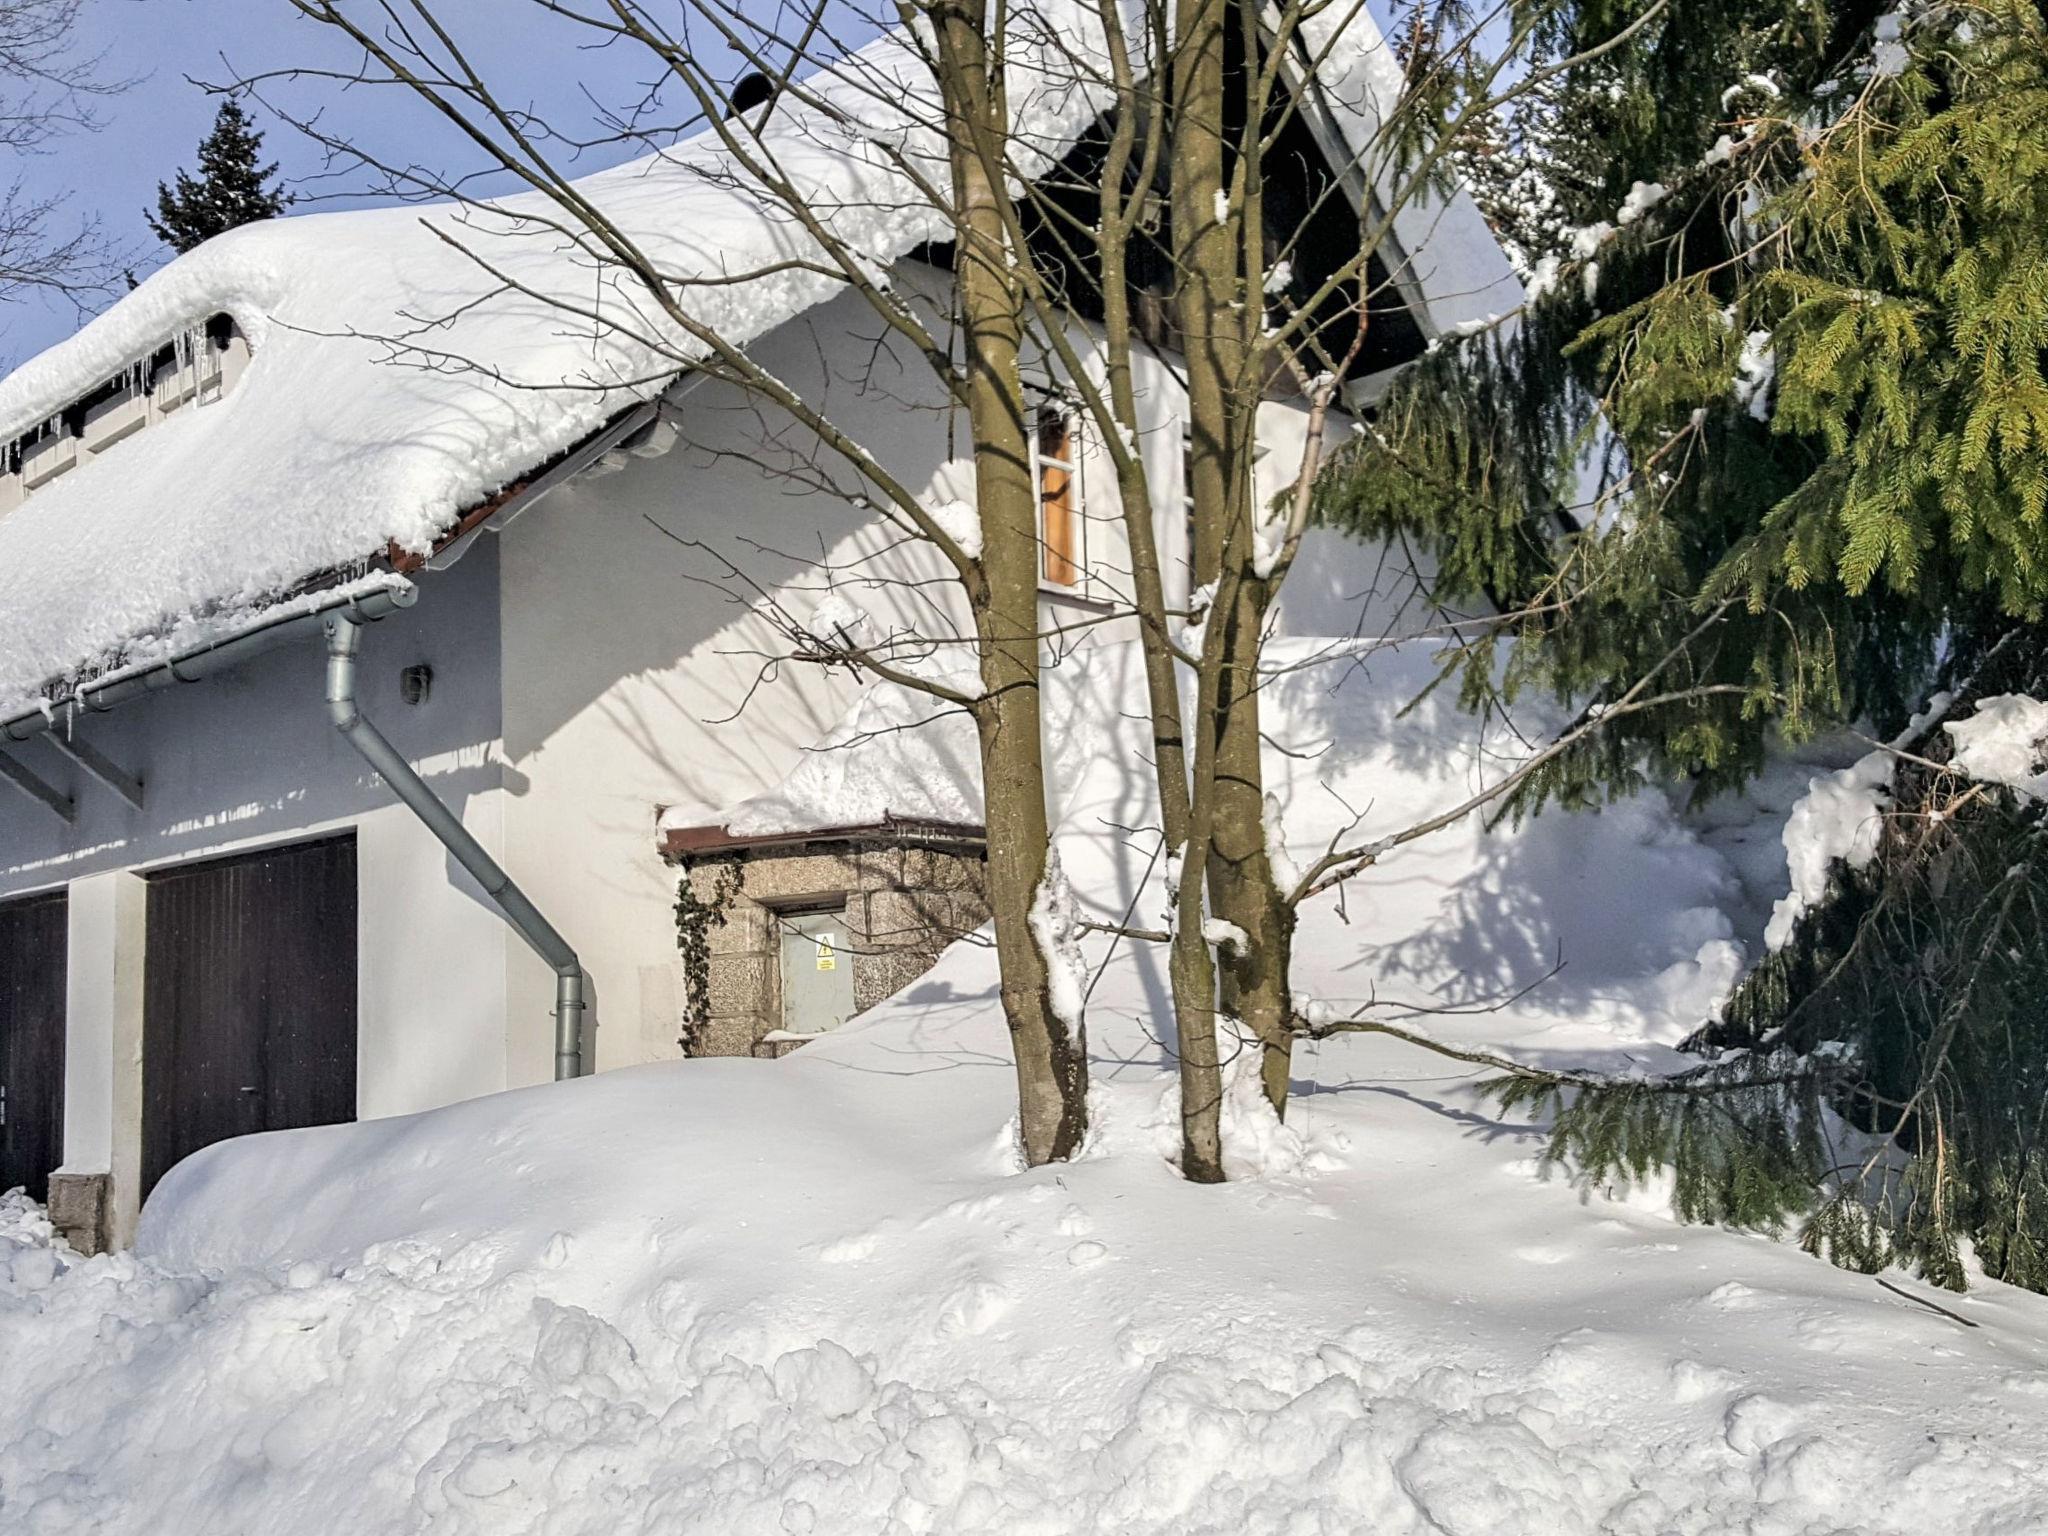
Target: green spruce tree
[[233, 186], [1773, 433]]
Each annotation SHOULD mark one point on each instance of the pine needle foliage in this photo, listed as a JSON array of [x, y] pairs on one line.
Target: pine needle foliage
[[1884, 1077], [1776, 444], [233, 187], [1806, 390], [1907, 294], [1929, 967], [1742, 1135]]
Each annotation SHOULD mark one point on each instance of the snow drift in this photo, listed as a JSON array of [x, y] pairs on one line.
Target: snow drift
[[818, 1294]]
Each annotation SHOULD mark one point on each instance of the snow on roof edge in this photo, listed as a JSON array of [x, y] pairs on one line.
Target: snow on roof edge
[[346, 436], [338, 443], [1454, 261], [185, 293]]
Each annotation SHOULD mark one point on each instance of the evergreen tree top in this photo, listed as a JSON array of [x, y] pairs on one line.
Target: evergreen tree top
[[1808, 352], [233, 186]]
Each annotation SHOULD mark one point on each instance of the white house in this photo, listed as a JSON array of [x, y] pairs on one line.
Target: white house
[[216, 914]]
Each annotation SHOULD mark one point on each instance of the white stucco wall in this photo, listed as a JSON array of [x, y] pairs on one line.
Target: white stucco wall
[[600, 659], [103, 1043], [639, 674], [248, 759], [1338, 586], [638, 669]]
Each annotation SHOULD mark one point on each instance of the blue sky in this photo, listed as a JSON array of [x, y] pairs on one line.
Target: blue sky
[[155, 127]]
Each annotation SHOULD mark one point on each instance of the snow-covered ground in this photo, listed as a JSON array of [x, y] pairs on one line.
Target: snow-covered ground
[[818, 1295]]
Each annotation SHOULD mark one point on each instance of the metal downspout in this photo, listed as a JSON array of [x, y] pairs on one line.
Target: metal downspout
[[343, 639]]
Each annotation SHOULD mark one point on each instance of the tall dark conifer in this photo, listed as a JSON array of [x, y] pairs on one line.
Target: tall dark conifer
[[233, 186]]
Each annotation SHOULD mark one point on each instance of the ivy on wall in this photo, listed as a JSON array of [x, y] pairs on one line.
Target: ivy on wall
[[695, 918]]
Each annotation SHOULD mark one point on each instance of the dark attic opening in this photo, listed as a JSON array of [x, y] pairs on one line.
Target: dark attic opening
[[1317, 215]]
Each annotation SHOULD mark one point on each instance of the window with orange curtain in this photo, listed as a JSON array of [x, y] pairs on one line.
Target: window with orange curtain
[[1060, 530]]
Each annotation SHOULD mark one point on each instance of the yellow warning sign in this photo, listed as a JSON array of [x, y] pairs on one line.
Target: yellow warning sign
[[828, 958]]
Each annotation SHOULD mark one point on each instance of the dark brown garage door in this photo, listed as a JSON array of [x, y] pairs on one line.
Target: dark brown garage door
[[249, 1012], [32, 948]]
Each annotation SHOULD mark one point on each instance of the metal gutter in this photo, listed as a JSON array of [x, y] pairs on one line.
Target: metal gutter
[[629, 432], [685, 843], [564, 469], [202, 661]]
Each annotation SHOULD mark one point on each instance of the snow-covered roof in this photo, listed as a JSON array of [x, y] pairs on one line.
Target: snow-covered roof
[[395, 383], [1444, 256]]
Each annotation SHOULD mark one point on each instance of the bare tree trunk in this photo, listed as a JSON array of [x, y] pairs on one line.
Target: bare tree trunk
[[1221, 250], [1256, 981], [1209, 281], [1254, 972], [1208, 289], [1190, 975], [1050, 1050]]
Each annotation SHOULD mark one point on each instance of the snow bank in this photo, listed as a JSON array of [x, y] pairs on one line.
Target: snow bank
[[1840, 817], [395, 383], [1746, 827], [733, 1297]]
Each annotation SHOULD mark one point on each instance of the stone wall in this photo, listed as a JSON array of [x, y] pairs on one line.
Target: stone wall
[[79, 1210], [902, 905]]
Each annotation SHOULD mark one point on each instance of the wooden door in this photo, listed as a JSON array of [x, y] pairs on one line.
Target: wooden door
[[33, 943], [249, 1007]]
